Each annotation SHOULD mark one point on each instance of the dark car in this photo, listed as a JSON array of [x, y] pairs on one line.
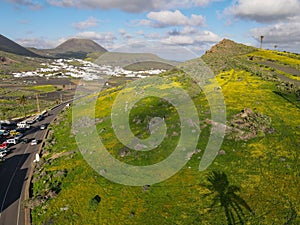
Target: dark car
[[5, 151], [21, 130], [40, 118], [25, 140]]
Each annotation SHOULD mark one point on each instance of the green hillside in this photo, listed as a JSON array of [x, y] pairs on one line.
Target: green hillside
[[11, 63], [253, 180]]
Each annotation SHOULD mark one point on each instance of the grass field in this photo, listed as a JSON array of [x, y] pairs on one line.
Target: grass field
[[43, 88], [266, 168]]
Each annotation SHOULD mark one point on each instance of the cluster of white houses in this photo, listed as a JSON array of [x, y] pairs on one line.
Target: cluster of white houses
[[77, 68]]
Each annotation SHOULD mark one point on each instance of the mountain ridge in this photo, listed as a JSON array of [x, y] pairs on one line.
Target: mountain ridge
[[7, 45]]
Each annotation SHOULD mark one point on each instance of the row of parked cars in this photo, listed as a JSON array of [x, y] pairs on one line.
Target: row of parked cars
[[12, 133]]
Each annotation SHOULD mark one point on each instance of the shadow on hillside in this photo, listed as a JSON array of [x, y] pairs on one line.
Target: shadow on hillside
[[227, 197]]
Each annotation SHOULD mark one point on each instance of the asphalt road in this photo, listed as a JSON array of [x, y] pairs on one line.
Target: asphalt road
[[14, 173]]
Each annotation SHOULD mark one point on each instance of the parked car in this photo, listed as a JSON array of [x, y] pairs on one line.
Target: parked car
[[22, 124], [33, 142], [2, 155], [12, 141], [7, 150], [19, 136], [30, 121], [43, 127], [14, 132], [25, 140], [45, 113], [21, 130], [3, 146], [4, 132], [40, 118]]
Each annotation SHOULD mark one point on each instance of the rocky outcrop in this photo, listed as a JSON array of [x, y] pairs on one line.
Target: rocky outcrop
[[248, 125]]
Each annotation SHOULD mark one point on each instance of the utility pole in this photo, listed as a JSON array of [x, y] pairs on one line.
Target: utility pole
[[37, 102]]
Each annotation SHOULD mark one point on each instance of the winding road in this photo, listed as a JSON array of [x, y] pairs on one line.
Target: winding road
[[15, 170]]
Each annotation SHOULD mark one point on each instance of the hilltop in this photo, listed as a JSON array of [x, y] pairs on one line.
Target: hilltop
[[282, 68], [7, 45], [220, 56], [73, 48], [80, 45]]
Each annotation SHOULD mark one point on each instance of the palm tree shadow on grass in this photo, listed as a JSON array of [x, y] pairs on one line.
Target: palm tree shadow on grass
[[227, 196]]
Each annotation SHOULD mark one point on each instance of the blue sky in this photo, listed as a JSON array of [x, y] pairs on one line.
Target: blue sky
[[193, 24]]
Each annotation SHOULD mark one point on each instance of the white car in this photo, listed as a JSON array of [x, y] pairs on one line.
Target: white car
[[2, 155], [33, 142], [12, 141]]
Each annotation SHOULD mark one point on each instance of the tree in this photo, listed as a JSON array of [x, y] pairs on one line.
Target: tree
[[22, 101], [227, 196], [261, 40]]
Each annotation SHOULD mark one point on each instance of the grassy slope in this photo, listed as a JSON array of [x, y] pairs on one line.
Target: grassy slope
[[16, 63], [266, 168]]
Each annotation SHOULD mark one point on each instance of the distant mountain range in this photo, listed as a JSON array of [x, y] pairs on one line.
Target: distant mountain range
[[72, 48]]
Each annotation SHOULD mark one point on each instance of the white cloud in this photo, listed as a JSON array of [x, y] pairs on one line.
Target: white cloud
[[175, 4], [207, 36], [284, 34], [134, 6], [189, 30], [125, 34], [104, 39], [191, 37], [140, 32], [264, 10], [27, 3], [164, 19], [90, 22], [125, 5], [204, 2], [39, 43], [153, 36], [178, 40]]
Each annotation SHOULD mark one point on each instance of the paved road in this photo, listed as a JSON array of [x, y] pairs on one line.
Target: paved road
[[14, 173]]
